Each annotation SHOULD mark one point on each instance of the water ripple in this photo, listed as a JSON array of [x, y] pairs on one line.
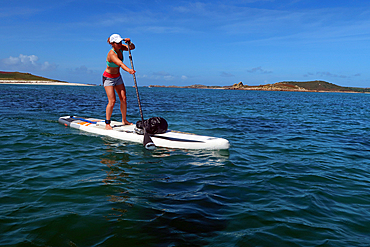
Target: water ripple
[[296, 173]]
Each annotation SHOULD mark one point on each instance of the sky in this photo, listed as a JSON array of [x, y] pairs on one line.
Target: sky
[[208, 42]]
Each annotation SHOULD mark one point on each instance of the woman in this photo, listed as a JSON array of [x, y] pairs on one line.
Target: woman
[[112, 79]]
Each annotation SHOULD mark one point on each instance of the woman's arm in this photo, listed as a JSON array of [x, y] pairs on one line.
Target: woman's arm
[[114, 58], [130, 71]]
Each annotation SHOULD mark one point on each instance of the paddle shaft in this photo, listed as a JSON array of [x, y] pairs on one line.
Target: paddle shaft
[[137, 91], [148, 143]]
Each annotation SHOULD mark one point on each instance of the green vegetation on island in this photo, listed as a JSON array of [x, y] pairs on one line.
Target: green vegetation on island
[[23, 77], [308, 86], [319, 86]]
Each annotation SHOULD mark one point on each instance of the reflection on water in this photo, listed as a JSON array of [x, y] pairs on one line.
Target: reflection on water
[[116, 163], [164, 190]]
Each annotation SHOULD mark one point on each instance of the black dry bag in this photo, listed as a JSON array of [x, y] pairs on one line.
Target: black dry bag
[[154, 125]]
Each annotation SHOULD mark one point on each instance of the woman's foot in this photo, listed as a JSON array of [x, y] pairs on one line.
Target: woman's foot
[[125, 122], [108, 127]]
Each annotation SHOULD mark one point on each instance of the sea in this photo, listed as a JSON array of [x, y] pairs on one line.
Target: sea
[[297, 172]]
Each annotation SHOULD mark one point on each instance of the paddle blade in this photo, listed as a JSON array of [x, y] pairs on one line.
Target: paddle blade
[[148, 143]]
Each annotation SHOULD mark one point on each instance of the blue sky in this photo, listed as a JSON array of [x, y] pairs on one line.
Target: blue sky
[[191, 42]]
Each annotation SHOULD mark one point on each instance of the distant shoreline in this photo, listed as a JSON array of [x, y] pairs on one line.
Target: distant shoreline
[[255, 89], [31, 82], [289, 86], [29, 79]]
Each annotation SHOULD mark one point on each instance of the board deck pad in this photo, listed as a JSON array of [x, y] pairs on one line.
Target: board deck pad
[[170, 139]]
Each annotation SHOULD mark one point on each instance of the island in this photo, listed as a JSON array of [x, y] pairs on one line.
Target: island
[[27, 78], [293, 86]]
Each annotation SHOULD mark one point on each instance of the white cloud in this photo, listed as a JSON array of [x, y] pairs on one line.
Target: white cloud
[[82, 70], [224, 74], [329, 74], [162, 75], [260, 70], [26, 62]]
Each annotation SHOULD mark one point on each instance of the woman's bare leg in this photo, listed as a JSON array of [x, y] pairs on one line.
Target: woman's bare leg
[[111, 101], [121, 91]]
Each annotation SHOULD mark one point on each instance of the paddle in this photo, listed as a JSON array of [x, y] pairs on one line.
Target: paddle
[[148, 143]]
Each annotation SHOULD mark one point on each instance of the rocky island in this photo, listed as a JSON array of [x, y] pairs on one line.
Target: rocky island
[[295, 86]]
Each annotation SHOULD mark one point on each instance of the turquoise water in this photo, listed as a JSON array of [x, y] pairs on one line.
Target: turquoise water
[[297, 172]]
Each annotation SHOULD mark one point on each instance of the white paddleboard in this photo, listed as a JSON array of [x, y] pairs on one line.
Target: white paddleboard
[[170, 139]]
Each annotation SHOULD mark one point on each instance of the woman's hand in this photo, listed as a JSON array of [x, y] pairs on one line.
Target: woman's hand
[[131, 71], [128, 43]]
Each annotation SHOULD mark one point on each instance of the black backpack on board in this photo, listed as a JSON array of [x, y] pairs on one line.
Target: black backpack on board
[[154, 125]]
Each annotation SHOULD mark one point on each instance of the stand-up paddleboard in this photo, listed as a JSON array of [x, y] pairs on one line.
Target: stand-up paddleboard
[[170, 139]]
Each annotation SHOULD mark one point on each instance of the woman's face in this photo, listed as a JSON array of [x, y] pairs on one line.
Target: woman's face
[[117, 45]]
